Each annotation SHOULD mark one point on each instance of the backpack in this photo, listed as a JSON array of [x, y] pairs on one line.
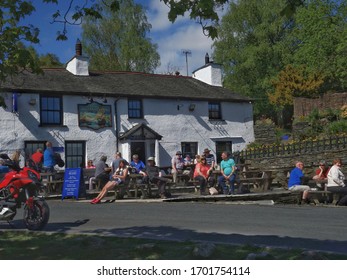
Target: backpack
[[58, 160]]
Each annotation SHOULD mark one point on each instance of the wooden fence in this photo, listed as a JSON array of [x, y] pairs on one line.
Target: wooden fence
[[303, 147]]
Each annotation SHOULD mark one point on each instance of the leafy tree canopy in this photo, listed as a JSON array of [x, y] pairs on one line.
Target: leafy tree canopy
[[118, 41]]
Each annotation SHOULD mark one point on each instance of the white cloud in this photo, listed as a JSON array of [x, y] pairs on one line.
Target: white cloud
[[184, 38]]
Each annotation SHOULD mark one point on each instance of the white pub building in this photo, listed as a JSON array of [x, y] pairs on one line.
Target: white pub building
[[89, 114]]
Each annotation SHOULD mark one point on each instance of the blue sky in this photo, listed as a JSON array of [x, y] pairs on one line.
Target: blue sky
[[171, 39]]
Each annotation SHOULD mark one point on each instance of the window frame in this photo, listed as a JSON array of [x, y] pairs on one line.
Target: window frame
[[82, 155], [212, 112], [139, 115], [60, 110], [193, 149]]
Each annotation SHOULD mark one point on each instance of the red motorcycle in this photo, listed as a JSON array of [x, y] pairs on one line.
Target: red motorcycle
[[21, 186]]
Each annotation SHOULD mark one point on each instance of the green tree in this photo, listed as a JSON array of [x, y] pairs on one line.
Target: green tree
[[252, 46], [319, 40], [118, 41]]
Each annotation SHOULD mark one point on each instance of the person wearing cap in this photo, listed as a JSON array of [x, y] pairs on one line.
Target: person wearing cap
[[136, 164], [177, 165], [152, 174], [210, 160]]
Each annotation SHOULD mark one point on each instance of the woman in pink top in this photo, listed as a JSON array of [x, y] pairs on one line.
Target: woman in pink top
[[202, 175]]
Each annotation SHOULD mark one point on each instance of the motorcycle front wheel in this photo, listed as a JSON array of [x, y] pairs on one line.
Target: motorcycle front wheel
[[37, 216]]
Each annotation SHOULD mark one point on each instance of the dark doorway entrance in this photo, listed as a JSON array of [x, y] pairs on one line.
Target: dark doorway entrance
[[140, 149]]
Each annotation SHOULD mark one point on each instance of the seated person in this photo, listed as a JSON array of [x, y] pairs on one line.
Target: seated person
[[136, 164], [101, 173], [202, 175], [227, 168], [295, 181], [336, 182], [321, 174], [177, 165], [152, 173], [90, 164], [117, 178], [3, 169]]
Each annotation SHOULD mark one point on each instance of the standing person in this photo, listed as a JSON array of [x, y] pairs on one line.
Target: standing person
[[48, 158], [101, 172], [117, 178], [137, 164], [115, 162], [202, 174], [227, 174], [152, 173], [210, 160], [336, 182], [36, 160], [295, 181]]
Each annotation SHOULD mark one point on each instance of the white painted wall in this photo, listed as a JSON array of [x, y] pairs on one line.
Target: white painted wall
[[163, 116], [210, 74]]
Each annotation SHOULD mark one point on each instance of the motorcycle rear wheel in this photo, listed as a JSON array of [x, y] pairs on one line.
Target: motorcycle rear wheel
[[36, 217]]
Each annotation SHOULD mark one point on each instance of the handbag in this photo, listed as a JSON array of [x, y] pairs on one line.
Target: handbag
[[213, 191]]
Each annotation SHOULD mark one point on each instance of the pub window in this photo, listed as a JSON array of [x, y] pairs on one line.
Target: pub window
[[75, 152], [51, 110], [214, 111], [135, 109], [190, 148]]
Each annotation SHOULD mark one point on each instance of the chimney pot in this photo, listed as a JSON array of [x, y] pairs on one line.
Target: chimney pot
[[207, 59], [78, 48]]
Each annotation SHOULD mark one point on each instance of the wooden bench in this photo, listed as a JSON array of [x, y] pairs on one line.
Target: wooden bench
[[324, 196]]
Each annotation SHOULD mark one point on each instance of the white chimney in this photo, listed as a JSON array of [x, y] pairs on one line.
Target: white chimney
[[210, 73], [78, 65]]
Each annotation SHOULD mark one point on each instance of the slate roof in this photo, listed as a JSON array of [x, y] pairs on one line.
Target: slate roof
[[119, 84]]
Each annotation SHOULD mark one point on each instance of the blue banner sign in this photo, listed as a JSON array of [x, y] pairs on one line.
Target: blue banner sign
[[73, 179]]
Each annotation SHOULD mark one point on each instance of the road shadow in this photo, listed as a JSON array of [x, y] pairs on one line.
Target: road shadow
[[177, 234]]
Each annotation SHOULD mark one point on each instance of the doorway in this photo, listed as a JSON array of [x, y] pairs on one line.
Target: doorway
[[140, 149]]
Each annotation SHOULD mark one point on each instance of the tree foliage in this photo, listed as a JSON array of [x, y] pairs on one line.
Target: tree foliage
[[252, 47], [118, 40], [294, 82]]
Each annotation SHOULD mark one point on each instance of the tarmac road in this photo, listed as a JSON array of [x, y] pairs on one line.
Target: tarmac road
[[294, 226]]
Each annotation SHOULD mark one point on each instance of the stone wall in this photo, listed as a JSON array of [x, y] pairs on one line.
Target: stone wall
[[264, 133], [281, 165], [303, 106]]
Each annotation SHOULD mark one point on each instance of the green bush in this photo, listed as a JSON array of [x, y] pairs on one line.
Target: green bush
[[336, 127]]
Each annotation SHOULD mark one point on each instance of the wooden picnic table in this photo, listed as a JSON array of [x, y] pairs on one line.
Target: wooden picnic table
[[260, 180], [53, 180]]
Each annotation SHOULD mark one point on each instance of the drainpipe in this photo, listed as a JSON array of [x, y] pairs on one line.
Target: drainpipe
[[116, 123]]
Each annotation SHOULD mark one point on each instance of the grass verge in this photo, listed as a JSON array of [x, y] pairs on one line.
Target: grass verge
[[16, 245]]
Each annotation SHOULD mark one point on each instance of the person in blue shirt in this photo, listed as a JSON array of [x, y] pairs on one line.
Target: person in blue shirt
[[295, 181], [48, 158], [137, 164], [3, 169], [227, 174]]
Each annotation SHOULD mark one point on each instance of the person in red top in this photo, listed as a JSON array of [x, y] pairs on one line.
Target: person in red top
[[202, 175], [37, 158], [321, 174]]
